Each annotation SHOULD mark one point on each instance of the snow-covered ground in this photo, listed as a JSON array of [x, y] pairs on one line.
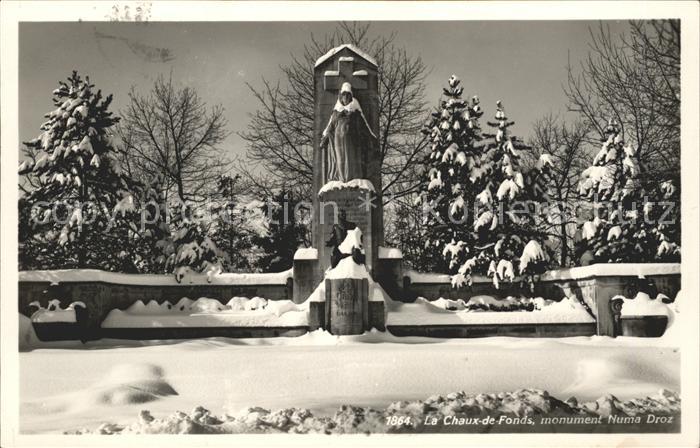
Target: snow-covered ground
[[69, 386]]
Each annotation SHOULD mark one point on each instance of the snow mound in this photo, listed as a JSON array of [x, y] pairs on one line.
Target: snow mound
[[27, 337], [664, 402], [673, 333], [622, 374], [124, 384], [348, 419], [132, 383]]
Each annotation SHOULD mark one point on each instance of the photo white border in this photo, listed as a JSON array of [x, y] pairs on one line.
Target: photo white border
[[14, 12]]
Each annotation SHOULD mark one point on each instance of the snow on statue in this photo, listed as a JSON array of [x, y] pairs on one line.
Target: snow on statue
[[347, 139]]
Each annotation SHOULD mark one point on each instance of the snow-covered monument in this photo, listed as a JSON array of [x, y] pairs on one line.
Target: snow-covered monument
[[348, 282]]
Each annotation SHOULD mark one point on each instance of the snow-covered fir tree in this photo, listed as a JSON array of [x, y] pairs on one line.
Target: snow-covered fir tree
[[153, 244], [507, 242], [482, 220], [447, 194], [82, 200], [633, 219], [190, 248]]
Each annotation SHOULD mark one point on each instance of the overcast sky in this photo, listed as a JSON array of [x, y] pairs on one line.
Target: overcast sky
[[521, 63]]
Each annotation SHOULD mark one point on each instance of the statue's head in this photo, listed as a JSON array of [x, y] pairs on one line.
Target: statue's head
[[346, 94]]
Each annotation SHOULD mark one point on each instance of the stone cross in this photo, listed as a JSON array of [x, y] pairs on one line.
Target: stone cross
[[334, 79]]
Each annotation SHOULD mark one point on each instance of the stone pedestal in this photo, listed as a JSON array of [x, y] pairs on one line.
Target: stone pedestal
[[347, 306]]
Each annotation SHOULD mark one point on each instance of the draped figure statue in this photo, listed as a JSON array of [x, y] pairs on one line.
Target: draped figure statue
[[347, 139]]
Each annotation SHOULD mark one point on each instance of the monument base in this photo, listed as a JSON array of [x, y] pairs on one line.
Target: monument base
[[347, 306]]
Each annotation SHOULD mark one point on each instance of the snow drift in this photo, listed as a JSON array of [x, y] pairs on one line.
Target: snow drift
[[124, 384], [353, 419]]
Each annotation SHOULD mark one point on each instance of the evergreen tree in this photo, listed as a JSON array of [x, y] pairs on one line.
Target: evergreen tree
[[634, 220], [82, 201], [454, 159], [153, 245], [190, 249], [473, 187], [507, 241]]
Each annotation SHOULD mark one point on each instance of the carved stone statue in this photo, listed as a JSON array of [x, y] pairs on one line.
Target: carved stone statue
[[347, 139]]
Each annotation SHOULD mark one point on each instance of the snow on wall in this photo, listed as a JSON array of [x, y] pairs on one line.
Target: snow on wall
[[54, 313], [352, 48], [424, 312], [96, 275], [433, 277], [364, 184], [643, 305], [594, 270], [206, 312], [612, 270]]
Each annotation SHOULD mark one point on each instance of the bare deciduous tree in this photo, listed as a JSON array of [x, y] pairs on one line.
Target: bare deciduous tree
[[171, 133], [566, 144], [635, 80], [280, 133]]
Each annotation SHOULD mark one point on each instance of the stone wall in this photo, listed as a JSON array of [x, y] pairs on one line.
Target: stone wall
[[593, 285], [101, 297]]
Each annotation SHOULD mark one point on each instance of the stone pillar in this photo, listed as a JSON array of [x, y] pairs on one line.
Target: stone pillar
[[347, 305], [605, 289], [390, 272], [304, 274]]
